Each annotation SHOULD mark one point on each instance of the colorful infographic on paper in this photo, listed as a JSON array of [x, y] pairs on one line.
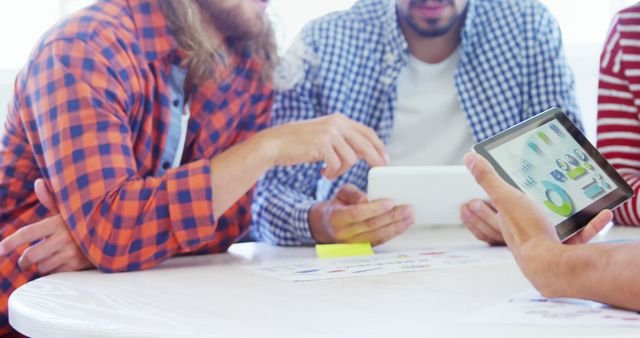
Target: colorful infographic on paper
[[382, 264], [530, 308], [549, 166]]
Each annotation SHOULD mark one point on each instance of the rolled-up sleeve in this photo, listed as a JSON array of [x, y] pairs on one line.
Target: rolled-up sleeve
[[77, 99]]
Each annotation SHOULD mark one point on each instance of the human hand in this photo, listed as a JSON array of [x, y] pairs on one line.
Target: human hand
[[482, 220], [337, 140], [532, 238], [56, 251], [350, 218]]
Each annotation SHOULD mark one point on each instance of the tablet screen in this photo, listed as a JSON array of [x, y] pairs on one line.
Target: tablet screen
[[553, 163], [550, 166]]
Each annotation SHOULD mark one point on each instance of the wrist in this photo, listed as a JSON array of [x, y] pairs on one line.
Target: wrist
[[265, 149], [544, 263], [319, 223]]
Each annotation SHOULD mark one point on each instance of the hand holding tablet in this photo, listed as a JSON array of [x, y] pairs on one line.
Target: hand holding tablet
[[435, 192], [553, 163]]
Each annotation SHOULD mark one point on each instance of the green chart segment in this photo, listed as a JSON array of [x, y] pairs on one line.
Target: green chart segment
[[565, 208]]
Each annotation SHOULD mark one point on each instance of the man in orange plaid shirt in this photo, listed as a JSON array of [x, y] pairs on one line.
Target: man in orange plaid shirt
[[140, 123]]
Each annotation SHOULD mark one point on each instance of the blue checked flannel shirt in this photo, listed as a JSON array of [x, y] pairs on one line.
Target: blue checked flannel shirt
[[512, 67]]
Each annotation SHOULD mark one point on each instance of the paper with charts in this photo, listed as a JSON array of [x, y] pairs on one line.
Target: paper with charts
[[531, 308], [382, 264]]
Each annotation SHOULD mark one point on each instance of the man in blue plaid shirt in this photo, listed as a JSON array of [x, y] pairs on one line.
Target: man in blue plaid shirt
[[431, 77]]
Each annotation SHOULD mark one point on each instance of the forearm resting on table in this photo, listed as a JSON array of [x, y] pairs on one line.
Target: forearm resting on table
[[606, 273], [236, 170]]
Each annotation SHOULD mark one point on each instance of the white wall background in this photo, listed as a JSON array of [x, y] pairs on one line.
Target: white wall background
[[584, 24]]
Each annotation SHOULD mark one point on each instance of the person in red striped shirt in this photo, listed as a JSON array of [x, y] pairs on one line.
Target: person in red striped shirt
[[618, 102]]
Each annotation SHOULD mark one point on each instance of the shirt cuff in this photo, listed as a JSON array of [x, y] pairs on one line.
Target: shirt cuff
[[191, 204], [300, 222]]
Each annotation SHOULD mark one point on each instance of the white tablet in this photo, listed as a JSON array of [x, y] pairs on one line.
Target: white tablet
[[436, 193]]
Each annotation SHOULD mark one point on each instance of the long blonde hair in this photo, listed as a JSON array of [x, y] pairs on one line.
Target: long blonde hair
[[205, 51]]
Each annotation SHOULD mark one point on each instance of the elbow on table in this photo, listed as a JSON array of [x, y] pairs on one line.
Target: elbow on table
[[118, 268], [109, 269], [124, 260]]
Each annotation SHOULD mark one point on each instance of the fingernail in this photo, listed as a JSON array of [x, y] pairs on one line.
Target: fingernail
[[469, 161], [464, 215], [387, 158], [408, 212], [476, 206], [388, 205], [409, 221]]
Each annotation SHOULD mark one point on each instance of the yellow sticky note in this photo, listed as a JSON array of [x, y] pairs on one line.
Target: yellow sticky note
[[343, 250]]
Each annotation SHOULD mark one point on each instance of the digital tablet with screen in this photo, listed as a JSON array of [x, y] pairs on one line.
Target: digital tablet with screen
[[552, 162]]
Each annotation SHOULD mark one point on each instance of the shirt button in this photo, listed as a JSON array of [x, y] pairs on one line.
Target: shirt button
[[166, 165], [176, 103]]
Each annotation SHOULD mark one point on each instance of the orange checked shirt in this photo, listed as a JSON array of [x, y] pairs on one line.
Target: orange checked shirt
[[97, 112]]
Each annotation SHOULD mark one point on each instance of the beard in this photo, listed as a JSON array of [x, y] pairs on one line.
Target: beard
[[434, 31], [210, 31], [248, 27], [236, 20]]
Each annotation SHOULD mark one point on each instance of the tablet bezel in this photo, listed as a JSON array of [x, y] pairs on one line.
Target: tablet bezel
[[577, 221]]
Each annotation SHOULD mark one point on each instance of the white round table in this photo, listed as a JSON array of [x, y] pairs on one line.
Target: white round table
[[214, 296]]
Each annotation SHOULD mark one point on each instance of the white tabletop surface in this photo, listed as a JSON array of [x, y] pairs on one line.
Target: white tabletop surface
[[214, 296]]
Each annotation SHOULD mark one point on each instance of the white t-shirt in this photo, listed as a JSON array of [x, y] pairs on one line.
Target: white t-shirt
[[430, 127]]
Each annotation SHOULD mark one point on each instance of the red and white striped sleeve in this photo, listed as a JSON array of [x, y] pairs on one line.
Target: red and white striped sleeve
[[618, 102]]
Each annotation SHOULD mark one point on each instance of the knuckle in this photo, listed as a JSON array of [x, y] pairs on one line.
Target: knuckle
[[331, 129], [333, 120], [337, 117], [371, 133], [43, 269], [72, 255], [326, 141], [19, 236], [483, 213], [339, 235], [354, 213], [373, 223], [333, 218], [499, 200], [66, 255], [399, 214]]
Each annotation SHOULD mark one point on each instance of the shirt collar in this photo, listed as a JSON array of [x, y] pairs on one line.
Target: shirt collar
[[154, 34], [395, 36], [469, 24]]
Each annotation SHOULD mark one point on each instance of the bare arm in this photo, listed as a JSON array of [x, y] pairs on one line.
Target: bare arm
[[607, 273], [235, 171], [336, 140]]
